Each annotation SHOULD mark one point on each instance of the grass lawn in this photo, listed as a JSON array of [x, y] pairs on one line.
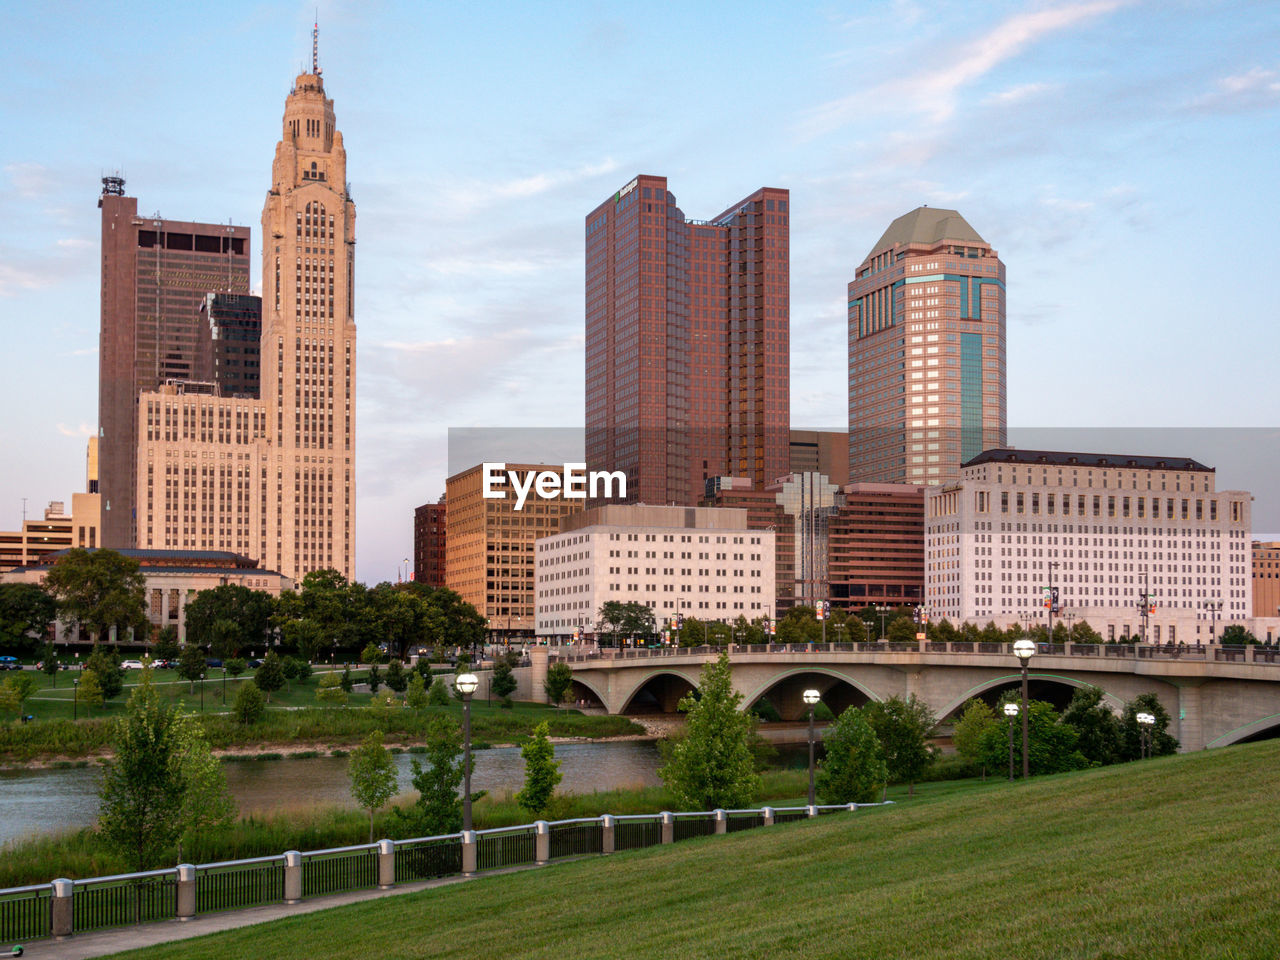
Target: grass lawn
[[1174, 857]]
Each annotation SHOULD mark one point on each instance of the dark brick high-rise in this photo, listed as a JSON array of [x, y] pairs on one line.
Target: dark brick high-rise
[[687, 341], [155, 273]]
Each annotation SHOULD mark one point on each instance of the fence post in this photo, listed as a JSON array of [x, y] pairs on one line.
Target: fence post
[[469, 853], [668, 826], [186, 891], [767, 814], [292, 876], [541, 842], [63, 907], [386, 864], [722, 821], [606, 834]]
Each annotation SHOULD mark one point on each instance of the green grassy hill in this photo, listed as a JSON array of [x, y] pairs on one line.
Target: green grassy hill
[[1176, 857]]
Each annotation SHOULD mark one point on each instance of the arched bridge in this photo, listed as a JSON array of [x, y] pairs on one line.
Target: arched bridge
[[1216, 695]]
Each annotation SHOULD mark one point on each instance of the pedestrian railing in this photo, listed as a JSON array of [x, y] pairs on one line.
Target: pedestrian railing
[[65, 907]]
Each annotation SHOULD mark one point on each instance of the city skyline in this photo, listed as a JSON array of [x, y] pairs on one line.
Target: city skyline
[[1105, 148]]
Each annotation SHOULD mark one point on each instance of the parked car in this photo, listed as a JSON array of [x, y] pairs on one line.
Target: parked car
[[253, 664], [212, 662], [131, 665], [10, 663], [61, 665]]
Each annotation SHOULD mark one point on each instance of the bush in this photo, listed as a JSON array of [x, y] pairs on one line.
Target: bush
[[250, 705], [439, 693], [235, 666]]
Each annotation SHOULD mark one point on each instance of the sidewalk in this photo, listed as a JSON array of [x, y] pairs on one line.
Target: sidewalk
[[99, 943]]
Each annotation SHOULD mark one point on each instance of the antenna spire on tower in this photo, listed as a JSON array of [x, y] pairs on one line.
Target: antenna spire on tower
[[315, 45]]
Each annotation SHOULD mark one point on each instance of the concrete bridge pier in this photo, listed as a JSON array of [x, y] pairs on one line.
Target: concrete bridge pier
[[1190, 722], [538, 674]]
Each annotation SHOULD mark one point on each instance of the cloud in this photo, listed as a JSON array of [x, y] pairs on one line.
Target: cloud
[[1024, 91], [467, 198], [1256, 89], [934, 92], [84, 430], [31, 179]]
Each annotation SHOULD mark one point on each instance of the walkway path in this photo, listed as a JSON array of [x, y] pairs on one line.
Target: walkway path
[[100, 943]]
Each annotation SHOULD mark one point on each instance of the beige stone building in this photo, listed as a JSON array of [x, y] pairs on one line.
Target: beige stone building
[[1102, 530], [273, 478], [489, 552], [1266, 578], [699, 562]]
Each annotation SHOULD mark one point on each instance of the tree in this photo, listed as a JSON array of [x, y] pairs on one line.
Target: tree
[[235, 666], [160, 783], [330, 690], [903, 728], [559, 680], [270, 676], [1236, 635], [191, 664], [250, 705], [901, 630], [106, 664], [373, 775], [89, 690], [619, 620], [396, 678], [943, 631], [503, 681], [166, 646], [1162, 742], [289, 669], [26, 611], [49, 665], [98, 590], [372, 656], [1097, 728], [346, 681], [15, 690], [541, 771], [1081, 632], [438, 695], [1052, 743], [971, 730], [853, 770], [712, 766], [228, 618], [438, 809], [416, 692]]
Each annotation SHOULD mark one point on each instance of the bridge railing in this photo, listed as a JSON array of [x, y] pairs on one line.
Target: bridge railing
[[1115, 651], [65, 907]]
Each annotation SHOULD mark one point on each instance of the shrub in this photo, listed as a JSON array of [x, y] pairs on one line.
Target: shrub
[[250, 705]]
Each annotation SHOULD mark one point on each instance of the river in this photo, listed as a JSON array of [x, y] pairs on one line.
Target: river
[[58, 800]]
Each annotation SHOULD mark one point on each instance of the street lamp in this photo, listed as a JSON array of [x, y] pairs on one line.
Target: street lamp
[[224, 685], [202, 692], [466, 684], [811, 697], [75, 698], [1145, 722], [1024, 650], [1010, 711]]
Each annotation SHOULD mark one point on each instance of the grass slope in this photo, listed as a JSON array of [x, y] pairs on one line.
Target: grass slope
[[1174, 857]]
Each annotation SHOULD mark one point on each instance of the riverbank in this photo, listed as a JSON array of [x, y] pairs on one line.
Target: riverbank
[[53, 743]]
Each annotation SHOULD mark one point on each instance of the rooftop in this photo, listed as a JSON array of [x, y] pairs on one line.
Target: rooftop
[[1114, 461], [927, 225]]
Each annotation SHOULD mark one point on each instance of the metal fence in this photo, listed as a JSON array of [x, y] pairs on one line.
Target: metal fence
[[32, 912]]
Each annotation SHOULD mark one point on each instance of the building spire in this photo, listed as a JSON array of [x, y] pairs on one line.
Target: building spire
[[315, 45]]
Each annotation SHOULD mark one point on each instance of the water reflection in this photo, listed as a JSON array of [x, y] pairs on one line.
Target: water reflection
[[49, 801]]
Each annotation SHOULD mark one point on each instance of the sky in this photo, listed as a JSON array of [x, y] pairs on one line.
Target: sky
[[1120, 156]]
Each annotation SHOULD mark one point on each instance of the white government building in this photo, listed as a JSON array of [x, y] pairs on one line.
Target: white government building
[[1103, 530], [696, 561]]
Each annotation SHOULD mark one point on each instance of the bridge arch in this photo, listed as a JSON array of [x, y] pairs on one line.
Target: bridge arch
[[1246, 732], [658, 690], [581, 686], [839, 696], [1117, 704]]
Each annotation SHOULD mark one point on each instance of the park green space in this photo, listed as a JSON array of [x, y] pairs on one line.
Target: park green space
[[1173, 857], [294, 719]]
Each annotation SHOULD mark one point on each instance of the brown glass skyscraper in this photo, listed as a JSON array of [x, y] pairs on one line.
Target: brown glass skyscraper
[[687, 341], [155, 274]]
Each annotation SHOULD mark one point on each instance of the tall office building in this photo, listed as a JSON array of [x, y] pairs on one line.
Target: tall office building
[[926, 351], [274, 478], [687, 341], [229, 351], [155, 274]]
